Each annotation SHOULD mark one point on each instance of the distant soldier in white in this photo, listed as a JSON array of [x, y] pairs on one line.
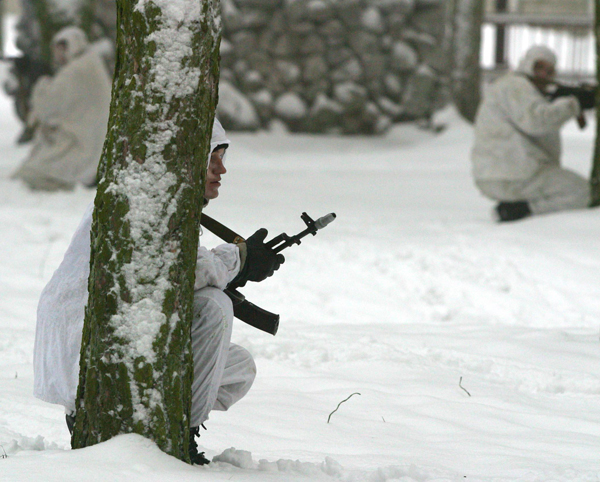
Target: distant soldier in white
[[516, 155], [69, 112]]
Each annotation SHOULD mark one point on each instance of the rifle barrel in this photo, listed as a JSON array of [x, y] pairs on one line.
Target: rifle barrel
[[312, 228], [324, 221]]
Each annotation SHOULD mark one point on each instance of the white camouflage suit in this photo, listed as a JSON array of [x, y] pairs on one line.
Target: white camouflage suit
[[223, 371], [70, 111], [517, 148]]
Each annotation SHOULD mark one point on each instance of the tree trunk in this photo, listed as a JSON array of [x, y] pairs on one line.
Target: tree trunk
[[467, 21], [1, 28], [595, 176], [136, 362]]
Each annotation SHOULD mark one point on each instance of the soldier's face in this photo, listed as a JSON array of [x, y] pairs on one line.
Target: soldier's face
[[59, 53], [216, 169], [544, 72]]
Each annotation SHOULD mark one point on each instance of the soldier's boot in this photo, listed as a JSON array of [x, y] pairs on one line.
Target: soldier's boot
[[197, 458], [512, 211]]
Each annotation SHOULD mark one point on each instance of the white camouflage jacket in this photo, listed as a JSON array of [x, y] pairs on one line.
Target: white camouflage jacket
[[517, 130]]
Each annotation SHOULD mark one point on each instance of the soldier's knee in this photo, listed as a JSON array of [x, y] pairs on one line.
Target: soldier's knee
[[212, 306], [251, 366], [241, 358]]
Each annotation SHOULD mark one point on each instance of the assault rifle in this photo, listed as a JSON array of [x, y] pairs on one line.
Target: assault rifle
[[242, 309], [585, 93]]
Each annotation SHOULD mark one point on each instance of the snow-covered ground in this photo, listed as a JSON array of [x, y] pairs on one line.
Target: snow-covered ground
[[411, 290]]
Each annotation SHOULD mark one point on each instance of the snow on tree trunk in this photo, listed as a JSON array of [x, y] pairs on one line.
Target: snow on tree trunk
[[467, 21], [136, 362], [595, 177]]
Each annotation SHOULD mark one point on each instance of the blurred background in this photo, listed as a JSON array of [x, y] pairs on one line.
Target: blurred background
[[326, 66]]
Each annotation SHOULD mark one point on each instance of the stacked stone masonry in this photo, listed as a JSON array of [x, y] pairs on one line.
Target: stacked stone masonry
[[331, 66]]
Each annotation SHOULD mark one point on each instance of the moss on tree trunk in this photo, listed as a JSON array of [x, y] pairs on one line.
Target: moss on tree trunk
[[136, 362]]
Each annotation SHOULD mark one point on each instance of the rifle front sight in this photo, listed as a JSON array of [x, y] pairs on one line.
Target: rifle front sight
[[311, 228]]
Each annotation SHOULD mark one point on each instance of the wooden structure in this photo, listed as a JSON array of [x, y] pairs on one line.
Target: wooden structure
[[513, 32]]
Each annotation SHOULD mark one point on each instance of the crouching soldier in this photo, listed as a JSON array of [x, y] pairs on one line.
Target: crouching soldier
[[223, 371]]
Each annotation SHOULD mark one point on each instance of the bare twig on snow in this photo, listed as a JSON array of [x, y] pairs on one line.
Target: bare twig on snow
[[460, 385], [329, 418]]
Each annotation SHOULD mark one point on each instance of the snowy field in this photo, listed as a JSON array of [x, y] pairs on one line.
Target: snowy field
[[410, 290]]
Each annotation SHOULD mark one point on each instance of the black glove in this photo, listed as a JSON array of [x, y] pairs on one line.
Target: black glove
[[260, 262]]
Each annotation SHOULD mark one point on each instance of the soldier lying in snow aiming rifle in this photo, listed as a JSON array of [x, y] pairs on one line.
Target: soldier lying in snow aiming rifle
[[223, 371]]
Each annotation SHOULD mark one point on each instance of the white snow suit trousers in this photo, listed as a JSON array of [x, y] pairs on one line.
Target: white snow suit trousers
[[551, 189], [223, 371]]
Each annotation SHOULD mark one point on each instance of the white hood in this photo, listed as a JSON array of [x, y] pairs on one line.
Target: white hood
[[219, 136], [75, 39], [535, 53]]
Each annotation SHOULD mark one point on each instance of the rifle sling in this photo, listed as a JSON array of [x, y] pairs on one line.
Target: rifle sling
[[220, 230]]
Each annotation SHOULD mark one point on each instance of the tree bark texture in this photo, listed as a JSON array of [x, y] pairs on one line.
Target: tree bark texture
[[136, 361], [466, 46], [595, 175]]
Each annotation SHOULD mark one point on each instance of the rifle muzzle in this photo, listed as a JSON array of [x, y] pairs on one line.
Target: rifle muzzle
[[324, 221]]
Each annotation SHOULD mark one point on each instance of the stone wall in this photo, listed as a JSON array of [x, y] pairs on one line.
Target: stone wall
[[333, 66]]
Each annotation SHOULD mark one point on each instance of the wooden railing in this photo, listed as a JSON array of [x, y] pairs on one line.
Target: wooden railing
[[507, 36], [550, 21]]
